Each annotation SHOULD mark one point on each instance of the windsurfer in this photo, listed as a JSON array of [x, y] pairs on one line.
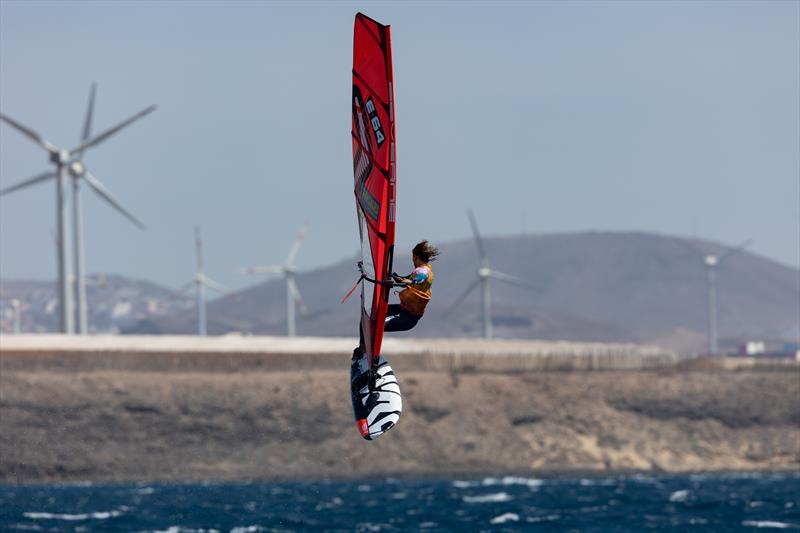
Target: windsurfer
[[415, 295]]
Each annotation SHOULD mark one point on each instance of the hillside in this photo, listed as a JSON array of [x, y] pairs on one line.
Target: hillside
[[594, 287]]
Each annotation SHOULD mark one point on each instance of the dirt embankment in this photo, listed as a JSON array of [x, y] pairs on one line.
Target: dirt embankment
[[178, 423]]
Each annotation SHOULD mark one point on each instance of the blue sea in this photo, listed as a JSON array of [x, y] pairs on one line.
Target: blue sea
[[714, 502]]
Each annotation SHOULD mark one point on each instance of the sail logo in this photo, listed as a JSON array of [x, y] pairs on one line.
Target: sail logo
[[377, 129]]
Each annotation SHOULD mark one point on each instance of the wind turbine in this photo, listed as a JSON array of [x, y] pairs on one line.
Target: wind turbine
[[485, 273], [288, 270], [78, 172], [68, 163], [200, 282], [712, 262], [16, 308]]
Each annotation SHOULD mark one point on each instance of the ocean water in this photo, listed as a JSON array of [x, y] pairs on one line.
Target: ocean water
[[714, 502]]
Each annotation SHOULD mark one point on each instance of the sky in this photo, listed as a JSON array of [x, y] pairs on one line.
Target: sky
[[679, 118]]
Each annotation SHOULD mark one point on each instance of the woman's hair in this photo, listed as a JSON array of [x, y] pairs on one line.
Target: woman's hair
[[425, 251]]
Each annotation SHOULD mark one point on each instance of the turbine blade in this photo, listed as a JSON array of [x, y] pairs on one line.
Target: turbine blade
[[691, 246], [733, 251], [185, 288], [262, 270], [477, 235], [29, 133], [111, 131], [462, 297], [28, 182], [87, 124], [513, 280], [100, 189], [180, 293], [296, 294], [213, 285], [298, 242], [198, 248]]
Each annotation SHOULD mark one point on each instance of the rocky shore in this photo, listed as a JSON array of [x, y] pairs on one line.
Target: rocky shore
[[66, 417]]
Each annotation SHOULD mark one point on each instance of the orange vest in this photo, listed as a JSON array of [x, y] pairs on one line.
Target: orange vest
[[416, 296]]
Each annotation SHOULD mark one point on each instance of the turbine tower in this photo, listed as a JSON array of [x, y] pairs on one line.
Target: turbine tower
[[200, 282], [484, 274], [68, 163], [288, 270], [78, 172], [712, 262], [16, 308]]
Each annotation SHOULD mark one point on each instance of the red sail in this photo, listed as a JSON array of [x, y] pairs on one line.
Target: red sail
[[374, 168]]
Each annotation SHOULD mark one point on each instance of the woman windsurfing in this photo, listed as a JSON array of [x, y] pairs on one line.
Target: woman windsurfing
[[415, 295], [417, 292]]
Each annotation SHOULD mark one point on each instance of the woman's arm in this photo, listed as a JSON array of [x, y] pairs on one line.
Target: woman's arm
[[400, 281]]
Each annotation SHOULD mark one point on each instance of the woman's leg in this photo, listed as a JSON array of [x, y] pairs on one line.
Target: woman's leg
[[398, 319]]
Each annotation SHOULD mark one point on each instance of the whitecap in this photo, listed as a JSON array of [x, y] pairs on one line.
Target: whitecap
[[548, 518], [768, 523], [100, 515], [181, 529], [679, 496], [592, 482], [506, 481], [488, 498], [592, 509], [335, 502], [426, 525], [529, 482], [247, 529], [505, 517]]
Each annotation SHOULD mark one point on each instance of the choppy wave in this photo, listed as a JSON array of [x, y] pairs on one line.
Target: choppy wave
[[488, 498], [506, 481], [547, 518], [679, 496], [604, 482], [100, 515], [769, 524], [181, 529], [728, 503], [505, 517]]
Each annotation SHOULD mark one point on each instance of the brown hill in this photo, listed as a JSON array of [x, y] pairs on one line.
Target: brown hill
[[594, 287]]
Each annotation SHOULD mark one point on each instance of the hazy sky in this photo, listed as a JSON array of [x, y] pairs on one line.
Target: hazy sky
[[676, 117]]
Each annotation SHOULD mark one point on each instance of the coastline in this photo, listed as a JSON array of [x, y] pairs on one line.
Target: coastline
[[72, 417]]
